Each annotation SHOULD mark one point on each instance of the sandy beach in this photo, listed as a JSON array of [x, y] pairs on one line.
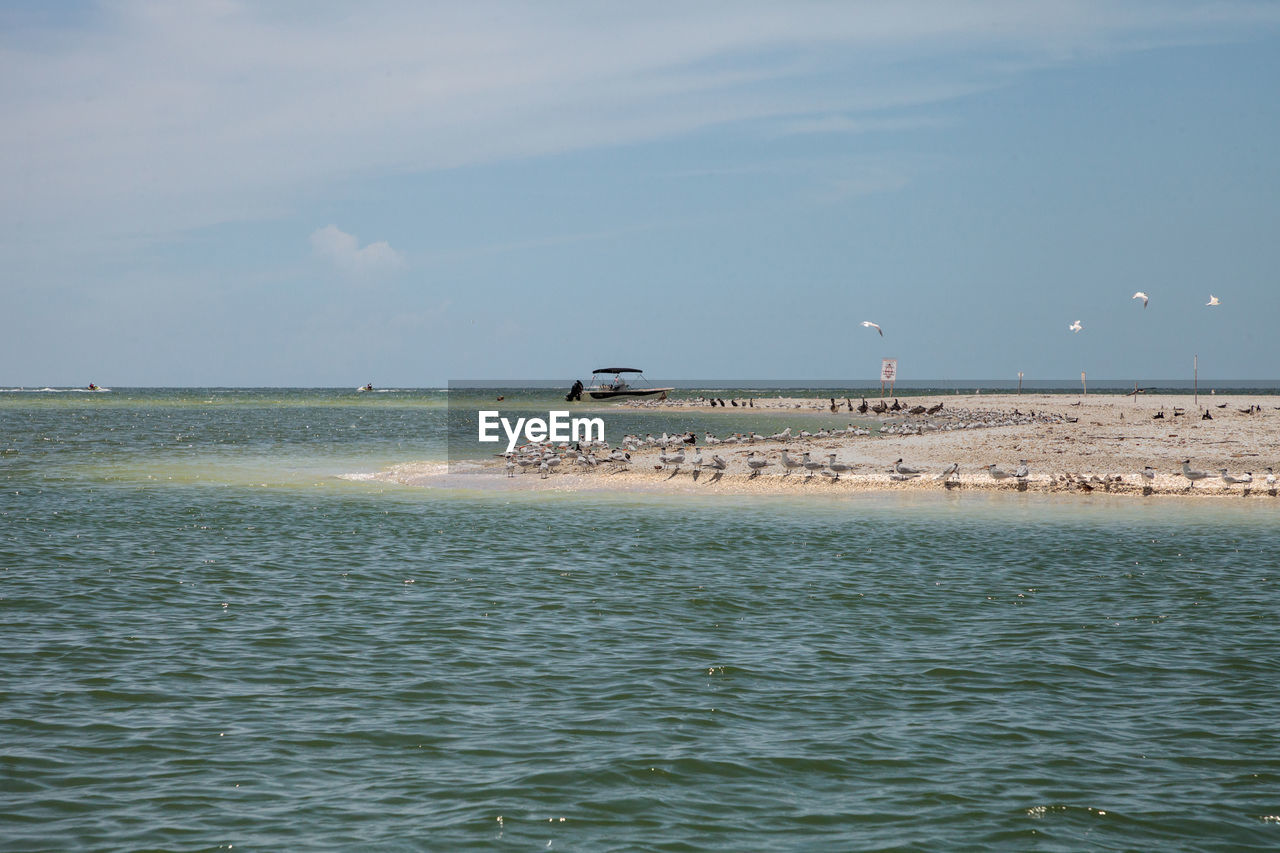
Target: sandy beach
[[1071, 444]]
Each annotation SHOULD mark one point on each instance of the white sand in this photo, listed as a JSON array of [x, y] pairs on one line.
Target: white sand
[[1112, 436]]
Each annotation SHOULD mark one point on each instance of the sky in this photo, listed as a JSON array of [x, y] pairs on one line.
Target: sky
[[217, 193]]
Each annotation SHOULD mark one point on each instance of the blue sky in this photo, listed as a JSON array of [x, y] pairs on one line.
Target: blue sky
[[224, 193]]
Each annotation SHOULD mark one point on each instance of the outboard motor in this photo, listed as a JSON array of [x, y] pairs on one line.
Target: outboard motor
[[575, 393]]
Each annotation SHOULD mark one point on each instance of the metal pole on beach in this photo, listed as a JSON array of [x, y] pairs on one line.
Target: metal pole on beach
[[1195, 373], [1083, 385], [1019, 383]]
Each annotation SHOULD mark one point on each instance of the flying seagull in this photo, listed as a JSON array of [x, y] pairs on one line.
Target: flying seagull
[[1075, 327], [1142, 296], [871, 325], [1213, 300]]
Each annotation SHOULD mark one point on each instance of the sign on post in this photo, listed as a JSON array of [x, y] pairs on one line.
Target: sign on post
[[888, 373]]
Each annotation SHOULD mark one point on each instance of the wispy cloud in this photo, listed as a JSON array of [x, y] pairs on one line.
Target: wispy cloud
[[150, 116], [343, 250]]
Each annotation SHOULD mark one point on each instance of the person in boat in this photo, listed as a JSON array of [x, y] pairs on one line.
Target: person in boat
[[368, 387], [93, 387], [575, 393]]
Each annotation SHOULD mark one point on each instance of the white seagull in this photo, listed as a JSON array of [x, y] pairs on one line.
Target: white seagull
[[1213, 300], [871, 325], [1142, 296], [1075, 327]]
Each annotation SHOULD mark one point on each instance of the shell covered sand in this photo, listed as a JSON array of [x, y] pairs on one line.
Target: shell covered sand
[[1072, 444]]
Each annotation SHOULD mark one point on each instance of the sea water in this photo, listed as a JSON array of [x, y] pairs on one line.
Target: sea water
[[217, 632]]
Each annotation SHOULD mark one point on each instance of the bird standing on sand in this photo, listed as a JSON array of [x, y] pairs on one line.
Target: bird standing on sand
[[1191, 474], [1148, 475], [1075, 327], [1228, 479], [1142, 296], [1213, 301], [997, 474], [756, 464], [717, 464], [1271, 479], [870, 325], [838, 467], [696, 459], [810, 465], [947, 473], [1021, 472], [789, 463]]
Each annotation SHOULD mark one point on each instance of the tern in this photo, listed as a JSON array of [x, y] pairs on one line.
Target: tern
[[1213, 300], [756, 464], [1192, 475], [1149, 474], [789, 463], [838, 467], [811, 466], [997, 474], [1142, 296], [696, 459], [1229, 480], [1022, 473], [1271, 479], [716, 463], [870, 325], [1075, 327], [903, 469], [947, 473]]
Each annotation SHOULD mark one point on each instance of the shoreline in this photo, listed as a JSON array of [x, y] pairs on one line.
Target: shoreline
[[1073, 444]]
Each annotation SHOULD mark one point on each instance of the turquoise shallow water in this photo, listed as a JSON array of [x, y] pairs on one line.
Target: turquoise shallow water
[[197, 661]]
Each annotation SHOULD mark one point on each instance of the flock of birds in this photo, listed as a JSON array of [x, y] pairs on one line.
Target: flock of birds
[[546, 459], [1076, 326], [677, 450]]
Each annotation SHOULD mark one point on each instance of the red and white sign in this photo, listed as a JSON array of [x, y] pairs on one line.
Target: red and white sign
[[888, 369]]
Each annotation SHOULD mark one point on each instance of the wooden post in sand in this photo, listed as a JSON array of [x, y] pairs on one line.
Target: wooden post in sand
[[1083, 385], [1195, 373], [1019, 383]]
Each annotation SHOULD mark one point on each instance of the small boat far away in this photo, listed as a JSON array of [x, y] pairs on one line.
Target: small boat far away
[[603, 389]]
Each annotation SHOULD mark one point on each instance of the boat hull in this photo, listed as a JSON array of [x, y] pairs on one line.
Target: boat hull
[[627, 392]]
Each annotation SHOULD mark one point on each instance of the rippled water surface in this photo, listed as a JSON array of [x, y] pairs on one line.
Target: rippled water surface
[[201, 660]]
